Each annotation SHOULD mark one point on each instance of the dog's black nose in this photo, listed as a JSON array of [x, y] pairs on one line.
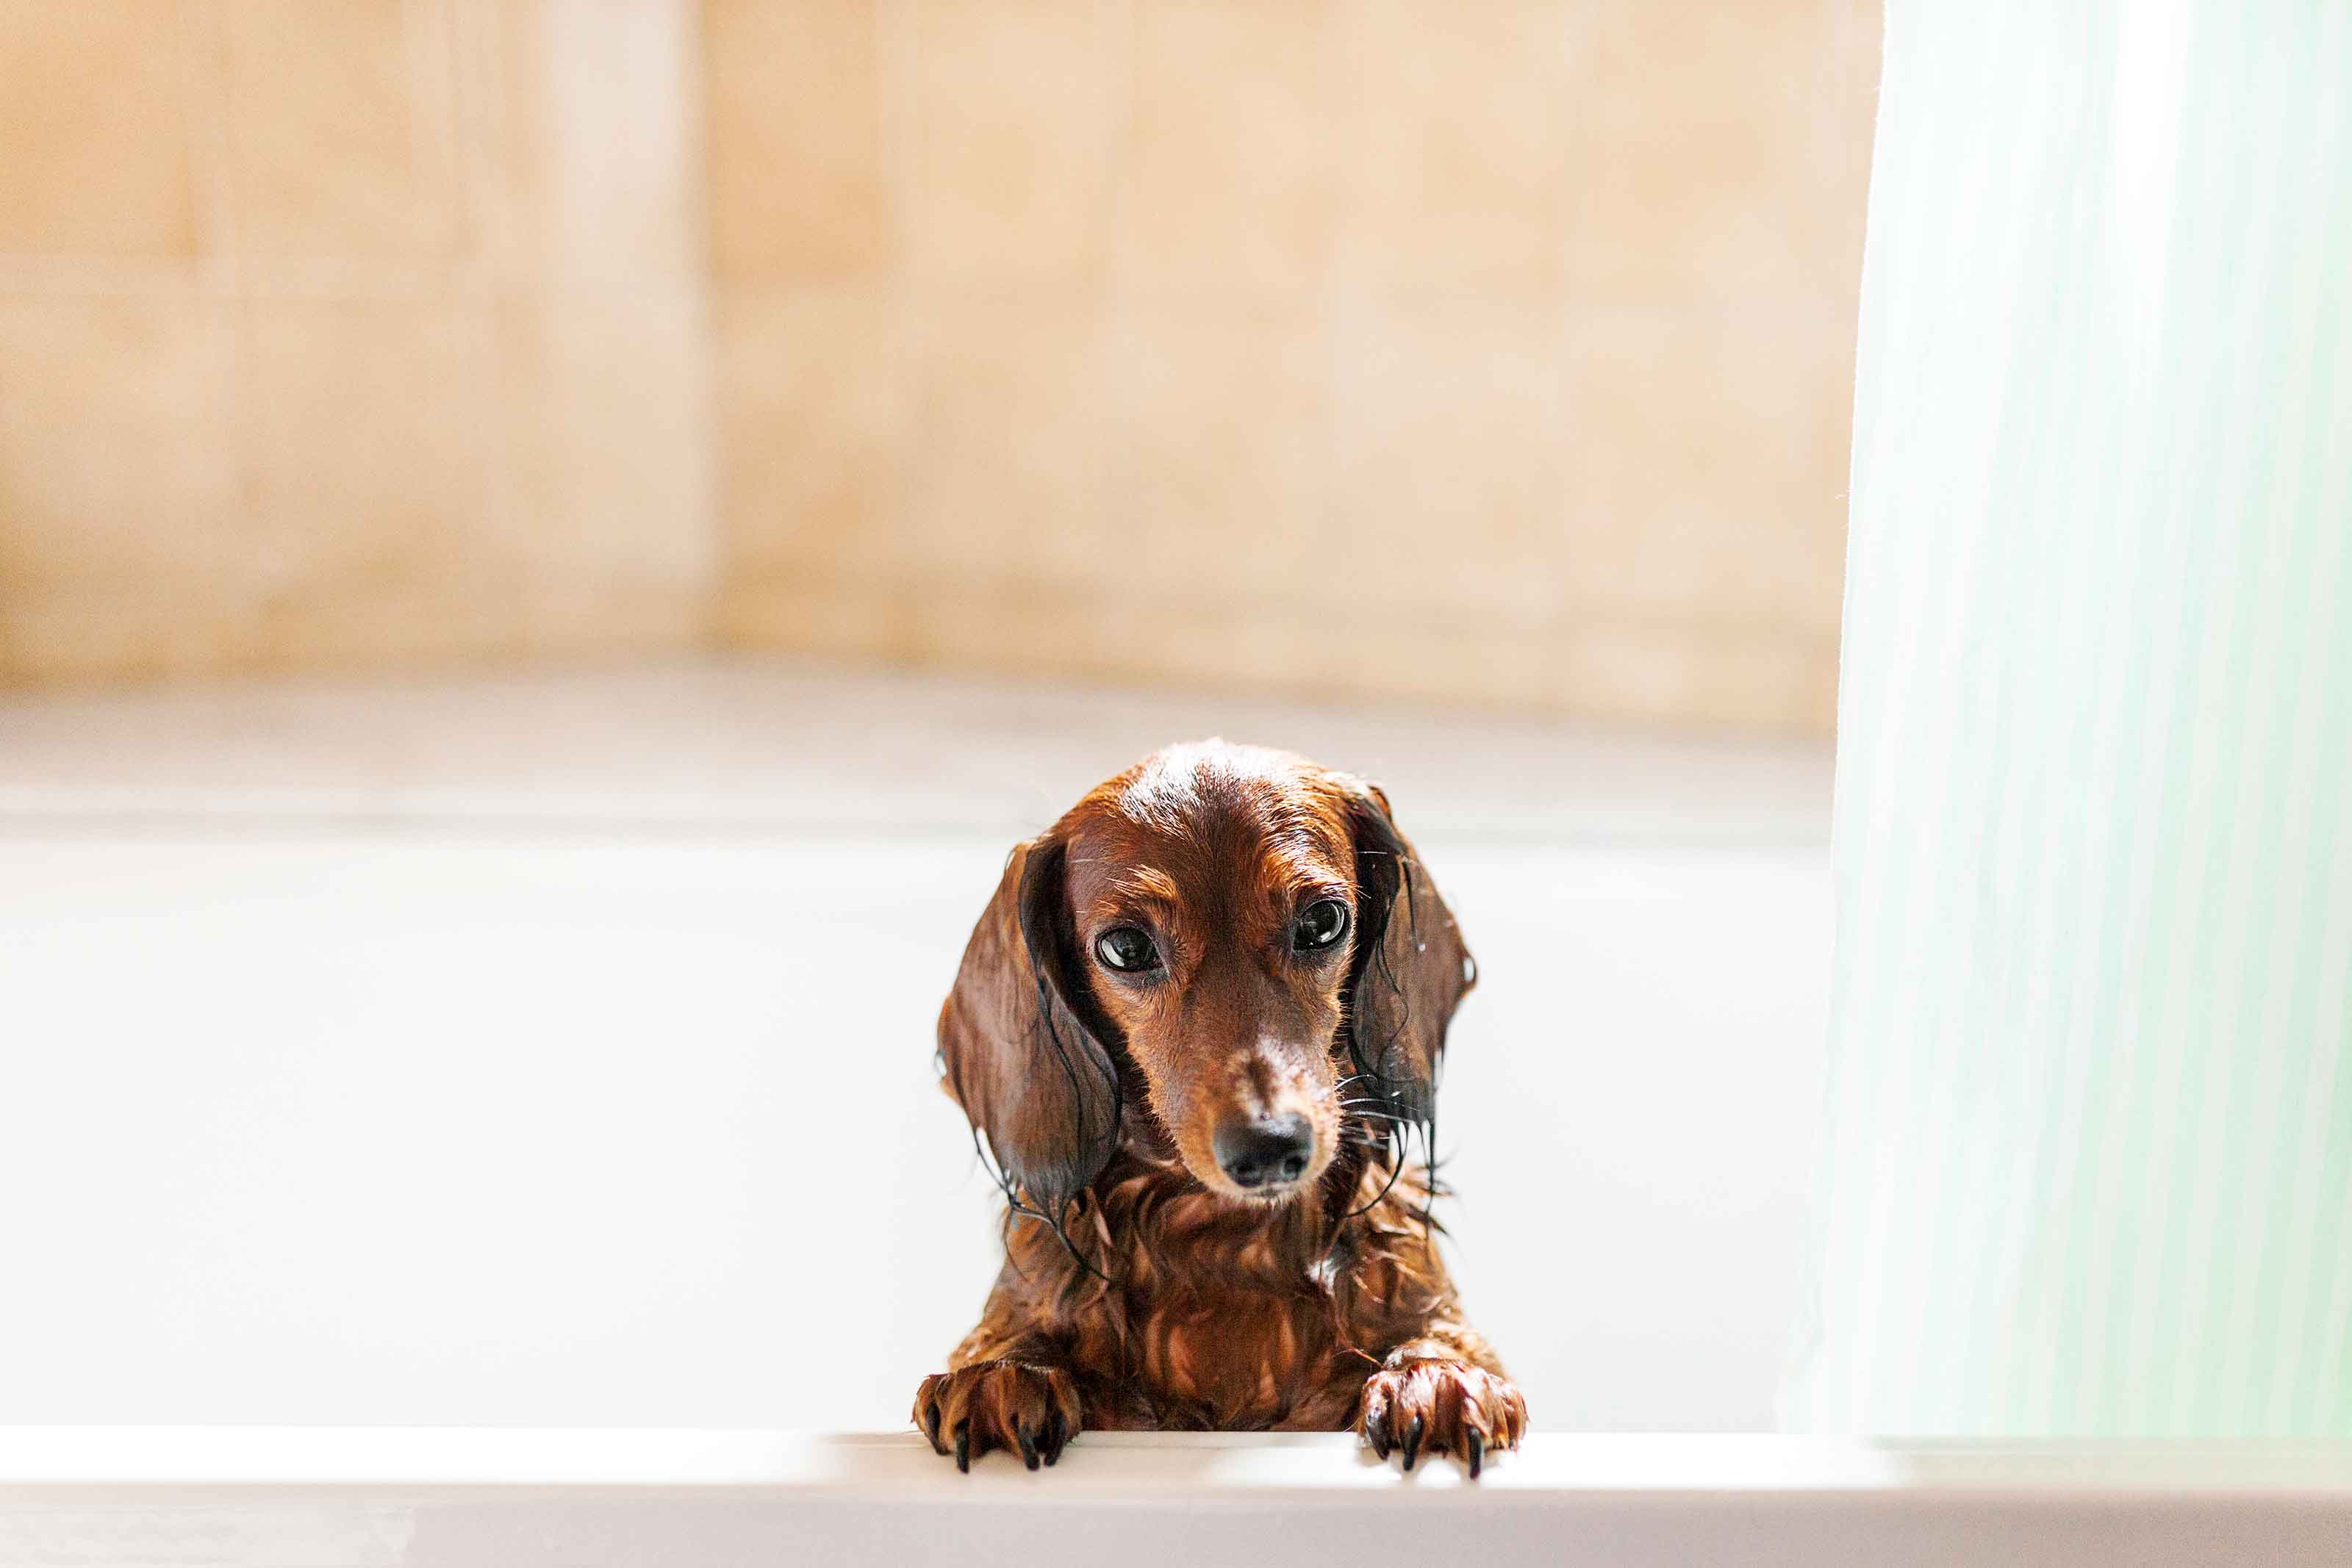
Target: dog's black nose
[[1266, 1153]]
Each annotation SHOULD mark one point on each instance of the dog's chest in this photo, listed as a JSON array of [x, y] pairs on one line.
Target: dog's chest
[[1236, 1337]]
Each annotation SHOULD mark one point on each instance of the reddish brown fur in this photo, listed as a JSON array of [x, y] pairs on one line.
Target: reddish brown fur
[[1199, 1304]]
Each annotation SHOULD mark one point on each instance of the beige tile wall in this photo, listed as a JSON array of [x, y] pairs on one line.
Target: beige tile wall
[[1484, 348], [339, 332]]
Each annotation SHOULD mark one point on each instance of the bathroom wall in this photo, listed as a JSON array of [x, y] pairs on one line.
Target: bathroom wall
[[348, 332], [1496, 352], [1497, 349]]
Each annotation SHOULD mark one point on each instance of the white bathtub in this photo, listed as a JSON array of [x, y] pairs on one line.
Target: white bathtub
[[556, 1053], [425, 1499]]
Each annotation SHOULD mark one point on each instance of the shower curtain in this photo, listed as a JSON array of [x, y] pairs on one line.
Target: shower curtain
[[2088, 1152]]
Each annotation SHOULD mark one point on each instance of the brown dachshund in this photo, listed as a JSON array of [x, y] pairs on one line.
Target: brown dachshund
[[1195, 1024]]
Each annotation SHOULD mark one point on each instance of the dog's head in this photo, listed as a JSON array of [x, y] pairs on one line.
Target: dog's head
[[1243, 935]]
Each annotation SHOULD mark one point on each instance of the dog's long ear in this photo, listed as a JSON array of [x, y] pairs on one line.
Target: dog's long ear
[[1026, 1070], [1409, 968]]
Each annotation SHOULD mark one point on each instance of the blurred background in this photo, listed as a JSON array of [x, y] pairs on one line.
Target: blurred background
[[1494, 352], [549, 546]]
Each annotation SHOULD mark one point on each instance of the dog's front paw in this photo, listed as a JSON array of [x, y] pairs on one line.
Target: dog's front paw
[[1010, 1404], [1441, 1407]]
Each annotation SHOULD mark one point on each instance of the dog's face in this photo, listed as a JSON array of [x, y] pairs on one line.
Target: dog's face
[[1211, 900], [1240, 931]]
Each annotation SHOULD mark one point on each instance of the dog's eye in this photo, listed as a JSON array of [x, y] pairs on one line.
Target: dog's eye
[[1318, 926], [1126, 949]]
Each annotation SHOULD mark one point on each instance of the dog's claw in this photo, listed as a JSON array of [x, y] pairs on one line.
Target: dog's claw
[[1014, 1407], [926, 1413], [1440, 1407]]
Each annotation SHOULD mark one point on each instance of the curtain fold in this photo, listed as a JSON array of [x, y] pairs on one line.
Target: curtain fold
[[2088, 1148]]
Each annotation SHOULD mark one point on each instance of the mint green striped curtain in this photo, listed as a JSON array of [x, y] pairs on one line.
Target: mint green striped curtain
[[2088, 1148]]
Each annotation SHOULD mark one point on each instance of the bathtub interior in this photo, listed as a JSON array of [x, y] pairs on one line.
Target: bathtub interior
[[555, 1050]]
